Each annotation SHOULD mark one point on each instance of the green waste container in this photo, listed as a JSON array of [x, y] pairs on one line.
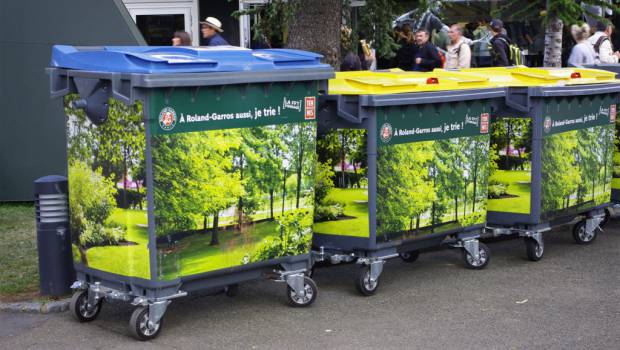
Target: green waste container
[[553, 145], [188, 169], [403, 166]]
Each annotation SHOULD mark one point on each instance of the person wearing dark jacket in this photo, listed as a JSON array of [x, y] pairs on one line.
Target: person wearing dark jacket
[[500, 45], [211, 29], [426, 57]]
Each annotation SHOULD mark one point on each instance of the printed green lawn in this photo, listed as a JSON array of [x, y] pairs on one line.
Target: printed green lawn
[[196, 255], [518, 185], [19, 272], [356, 205], [125, 260], [615, 183]]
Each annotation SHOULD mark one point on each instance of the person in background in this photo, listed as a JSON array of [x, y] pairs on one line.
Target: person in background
[[211, 29], [582, 53], [426, 56], [482, 36], [350, 63], [458, 54], [181, 38], [406, 51], [601, 43], [500, 44]]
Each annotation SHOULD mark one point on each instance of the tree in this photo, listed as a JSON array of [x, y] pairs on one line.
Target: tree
[[555, 14], [316, 28], [560, 177]]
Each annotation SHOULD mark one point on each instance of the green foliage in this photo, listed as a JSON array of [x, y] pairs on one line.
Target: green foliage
[[497, 190], [95, 234], [328, 212], [323, 182], [294, 238], [569, 11], [274, 19], [375, 26], [91, 198]]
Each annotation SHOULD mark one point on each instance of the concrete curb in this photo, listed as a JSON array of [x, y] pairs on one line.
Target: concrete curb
[[36, 307]]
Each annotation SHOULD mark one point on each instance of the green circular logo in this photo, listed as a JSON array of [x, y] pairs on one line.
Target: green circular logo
[[167, 119]]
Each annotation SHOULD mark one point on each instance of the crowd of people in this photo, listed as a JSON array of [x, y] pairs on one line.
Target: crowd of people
[[488, 45]]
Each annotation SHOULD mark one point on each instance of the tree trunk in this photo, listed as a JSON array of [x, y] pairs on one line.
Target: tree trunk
[[240, 204], [316, 28], [284, 192], [553, 41], [216, 221], [473, 199], [456, 208], [300, 164], [271, 202]]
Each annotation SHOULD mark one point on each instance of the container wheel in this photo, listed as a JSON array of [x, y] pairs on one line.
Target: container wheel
[[310, 293], [363, 284], [232, 290], [79, 307], [607, 217], [410, 257], [535, 251], [581, 235], [140, 327], [483, 260]]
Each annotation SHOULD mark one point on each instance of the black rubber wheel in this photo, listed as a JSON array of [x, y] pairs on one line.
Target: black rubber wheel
[[410, 257], [580, 234], [79, 307], [139, 325], [607, 217], [232, 290], [311, 291], [482, 262], [534, 250], [363, 283]]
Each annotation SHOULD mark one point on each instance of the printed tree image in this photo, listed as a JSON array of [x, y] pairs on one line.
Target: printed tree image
[[107, 178], [431, 186], [576, 168], [515, 134], [231, 178], [341, 195]]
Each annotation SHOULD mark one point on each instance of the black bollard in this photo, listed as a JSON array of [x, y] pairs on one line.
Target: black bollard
[[56, 271]]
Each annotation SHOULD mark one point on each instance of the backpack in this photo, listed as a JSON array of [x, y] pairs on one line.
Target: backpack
[[515, 55], [599, 42]]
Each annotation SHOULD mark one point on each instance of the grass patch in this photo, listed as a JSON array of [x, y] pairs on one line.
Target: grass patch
[[19, 270], [519, 185], [125, 260], [195, 254], [356, 205], [615, 183]]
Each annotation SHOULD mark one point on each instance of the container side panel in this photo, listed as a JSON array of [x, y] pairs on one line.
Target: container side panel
[[233, 172], [107, 194], [577, 154], [432, 169], [511, 165], [615, 181], [342, 184]]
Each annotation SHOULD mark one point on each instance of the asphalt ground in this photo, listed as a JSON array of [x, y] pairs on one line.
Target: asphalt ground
[[568, 300]]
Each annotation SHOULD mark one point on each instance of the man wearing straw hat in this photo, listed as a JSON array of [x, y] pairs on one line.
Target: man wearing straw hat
[[211, 29]]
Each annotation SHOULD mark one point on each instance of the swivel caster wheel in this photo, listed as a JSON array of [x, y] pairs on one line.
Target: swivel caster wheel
[[409, 257], [309, 294], [140, 326], [364, 284], [581, 234], [484, 255], [534, 250], [81, 310]]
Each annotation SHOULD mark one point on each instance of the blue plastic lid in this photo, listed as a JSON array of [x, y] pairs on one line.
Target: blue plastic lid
[[175, 59]]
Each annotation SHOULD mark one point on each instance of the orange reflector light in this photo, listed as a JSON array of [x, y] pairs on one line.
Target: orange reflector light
[[432, 81], [575, 75]]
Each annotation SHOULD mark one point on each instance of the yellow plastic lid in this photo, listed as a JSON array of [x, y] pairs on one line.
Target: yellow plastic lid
[[526, 77], [397, 81]]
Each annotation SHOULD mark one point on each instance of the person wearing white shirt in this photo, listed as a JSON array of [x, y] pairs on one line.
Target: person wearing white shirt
[[458, 54], [601, 43], [582, 53]]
